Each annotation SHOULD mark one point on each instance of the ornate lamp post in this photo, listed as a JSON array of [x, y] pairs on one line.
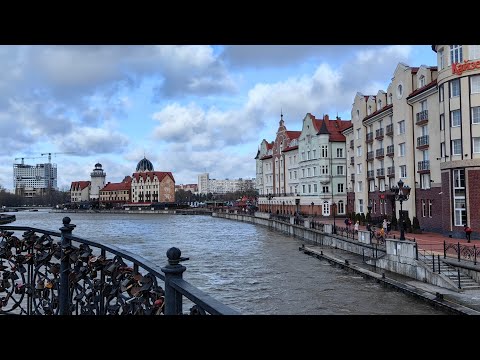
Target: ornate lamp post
[[401, 193], [312, 208], [297, 203], [334, 209], [283, 207]]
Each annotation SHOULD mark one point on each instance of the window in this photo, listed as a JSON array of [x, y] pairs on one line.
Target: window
[[324, 169], [369, 109], [360, 205], [455, 118], [442, 150], [290, 175], [314, 188], [442, 121], [382, 184], [359, 168], [371, 185], [325, 189], [379, 104], [309, 188], [295, 174], [381, 207], [476, 115], [326, 208], [424, 105], [441, 59], [339, 153], [430, 208], [324, 151], [456, 54], [340, 207], [401, 127], [303, 189], [476, 145], [401, 149], [424, 208], [339, 170], [359, 151], [294, 159], [314, 154], [359, 186], [390, 98], [303, 155], [403, 171], [314, 171], [399, 91], [440, 93], [291, 190], [374, 207], [457, 147], [358, 133], [308, 155], [459, 197], [475, 84], [308, 172], [421, 81], [473, 52], [425, 181], [303, 173], [340, 188], [358, 116], [454, 88]]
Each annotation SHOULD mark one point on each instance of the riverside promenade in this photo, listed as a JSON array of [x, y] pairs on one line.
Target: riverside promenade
[[426, 274]]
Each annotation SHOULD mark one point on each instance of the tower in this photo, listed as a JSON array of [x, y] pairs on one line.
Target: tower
[[97, 181]]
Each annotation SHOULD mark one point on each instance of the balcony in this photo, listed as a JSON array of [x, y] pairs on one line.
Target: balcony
[[422, 117], [352, 177], [370, 156], [379, 134], [424, 166], [370, 174], [351, 144], [379, 153], [381, 173], [369, 137], [391, 171], [389, 130], [390, 150], [422, 142], [352, 160]]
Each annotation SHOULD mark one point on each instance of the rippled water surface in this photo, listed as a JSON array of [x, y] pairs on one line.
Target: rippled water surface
[[248, 267]]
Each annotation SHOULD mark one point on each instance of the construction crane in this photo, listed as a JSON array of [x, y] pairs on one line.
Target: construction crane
[[57, 153], [25, 157]]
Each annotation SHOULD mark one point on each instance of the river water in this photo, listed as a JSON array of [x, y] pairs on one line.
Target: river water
[[251, 268]]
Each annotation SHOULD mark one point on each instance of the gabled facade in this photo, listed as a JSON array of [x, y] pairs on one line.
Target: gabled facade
[[79, 191], [116, 194]]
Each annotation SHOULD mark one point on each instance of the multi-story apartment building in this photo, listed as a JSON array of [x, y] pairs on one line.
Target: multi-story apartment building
[[223, 186], [193, 188], [34, 180], [422, 130], [149, 186], [305, 170], [203, 183]]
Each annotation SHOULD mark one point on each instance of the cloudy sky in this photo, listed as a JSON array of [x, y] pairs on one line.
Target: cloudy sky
[[188, 109]]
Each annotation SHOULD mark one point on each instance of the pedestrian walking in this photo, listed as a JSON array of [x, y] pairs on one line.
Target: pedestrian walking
[[384, 224], [357, 224], [468, 232], [389, 227]]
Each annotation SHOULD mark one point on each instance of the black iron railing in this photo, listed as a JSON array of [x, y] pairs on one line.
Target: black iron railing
[[41, 276], [461, 251]]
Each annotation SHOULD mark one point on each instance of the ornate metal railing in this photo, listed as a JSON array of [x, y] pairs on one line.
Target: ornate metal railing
[[461, 251], [41, 276]]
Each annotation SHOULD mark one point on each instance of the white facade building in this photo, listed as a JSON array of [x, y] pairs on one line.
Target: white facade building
[[34, 178]]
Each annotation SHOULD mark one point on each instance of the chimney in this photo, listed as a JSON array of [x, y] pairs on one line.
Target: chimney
[[326, 117]]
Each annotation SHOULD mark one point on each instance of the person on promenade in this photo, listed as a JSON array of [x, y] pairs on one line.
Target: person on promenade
[[346, 222], [468, 232], [384, 224], [357, 224]]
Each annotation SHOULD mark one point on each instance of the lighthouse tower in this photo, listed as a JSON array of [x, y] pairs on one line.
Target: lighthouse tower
[[97, 181]]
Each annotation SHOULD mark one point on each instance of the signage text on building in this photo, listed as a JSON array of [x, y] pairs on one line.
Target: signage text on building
[[459, 68]]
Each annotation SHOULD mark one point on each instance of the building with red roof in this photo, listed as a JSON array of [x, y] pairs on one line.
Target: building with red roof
[[116, 194]]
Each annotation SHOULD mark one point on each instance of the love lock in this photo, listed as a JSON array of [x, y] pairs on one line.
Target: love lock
[[40, 285], [48, 284]]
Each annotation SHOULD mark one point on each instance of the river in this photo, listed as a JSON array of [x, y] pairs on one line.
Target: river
[[251, 268]]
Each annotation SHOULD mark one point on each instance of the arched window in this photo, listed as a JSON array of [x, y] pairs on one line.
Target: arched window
[[340, 207]]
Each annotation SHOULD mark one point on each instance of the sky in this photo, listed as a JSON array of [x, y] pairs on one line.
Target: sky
[[189, 109]]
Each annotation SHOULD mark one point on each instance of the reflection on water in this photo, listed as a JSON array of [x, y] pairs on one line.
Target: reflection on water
[[251, 268]]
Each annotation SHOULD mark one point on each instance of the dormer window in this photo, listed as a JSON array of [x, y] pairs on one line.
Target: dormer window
[[421, 81], [379, 104]]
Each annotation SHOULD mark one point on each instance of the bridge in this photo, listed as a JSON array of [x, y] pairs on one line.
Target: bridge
[[75, 276]]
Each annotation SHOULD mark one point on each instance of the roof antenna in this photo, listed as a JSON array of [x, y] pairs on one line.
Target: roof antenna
[[281, 114]]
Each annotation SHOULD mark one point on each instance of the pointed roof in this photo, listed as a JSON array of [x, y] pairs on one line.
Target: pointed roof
[[323, 128]]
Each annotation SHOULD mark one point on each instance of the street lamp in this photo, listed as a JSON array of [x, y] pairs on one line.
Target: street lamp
[[334, 208], [283, 207], [312, 208], [297, 203], [401, 193]]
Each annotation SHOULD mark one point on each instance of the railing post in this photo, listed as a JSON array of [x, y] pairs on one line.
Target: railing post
[[458, 273], [173, 299], [63, 291], [416, 251], [444, 249], [458, 243], [438, 258], [474, 255], [433, 264]]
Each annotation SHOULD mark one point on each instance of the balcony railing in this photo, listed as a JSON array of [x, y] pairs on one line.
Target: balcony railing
[[381, 172], [370, 156], [379, 133], [389, 130], [75, 276], [422, 140], [422, 117], [370, 174], [351, 144], [424, 165], [369, 137], [379, 152], [390, 150], [391, 171]]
